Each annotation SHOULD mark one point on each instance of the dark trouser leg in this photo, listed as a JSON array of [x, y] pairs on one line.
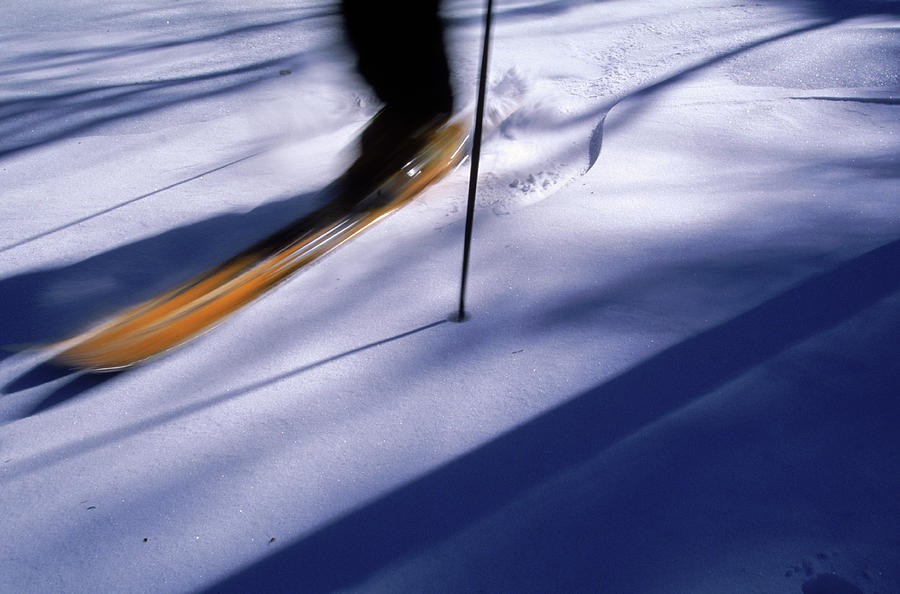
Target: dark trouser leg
[[400, 48]]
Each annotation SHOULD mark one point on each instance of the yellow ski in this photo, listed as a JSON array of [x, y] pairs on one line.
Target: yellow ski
[[175, 317]]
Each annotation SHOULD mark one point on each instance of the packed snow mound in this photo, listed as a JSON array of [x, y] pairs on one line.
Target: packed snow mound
[[541, 144]]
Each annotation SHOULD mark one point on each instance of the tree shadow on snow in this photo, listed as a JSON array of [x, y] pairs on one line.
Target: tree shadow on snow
[[843, 9], [42, 118], [83, 382], [76, 385], [47, 305], [503, 14], [451, 499], [634, 102]]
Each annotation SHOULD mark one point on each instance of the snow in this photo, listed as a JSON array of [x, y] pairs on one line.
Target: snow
[[679, 373]]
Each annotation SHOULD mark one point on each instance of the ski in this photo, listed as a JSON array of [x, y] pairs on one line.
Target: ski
[[173, 318]]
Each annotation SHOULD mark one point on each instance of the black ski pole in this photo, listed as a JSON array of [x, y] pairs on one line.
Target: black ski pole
[[476, 155]]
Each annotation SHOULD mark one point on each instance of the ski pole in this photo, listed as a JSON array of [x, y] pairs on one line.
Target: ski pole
[[476, 155]]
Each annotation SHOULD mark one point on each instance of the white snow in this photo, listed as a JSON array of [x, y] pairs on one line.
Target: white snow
[[679, 374]]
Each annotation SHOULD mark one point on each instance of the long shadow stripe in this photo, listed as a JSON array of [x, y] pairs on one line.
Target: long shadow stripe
[[432, 508]]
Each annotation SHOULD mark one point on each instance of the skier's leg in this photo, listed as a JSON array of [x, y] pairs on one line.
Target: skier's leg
[[400, 51]]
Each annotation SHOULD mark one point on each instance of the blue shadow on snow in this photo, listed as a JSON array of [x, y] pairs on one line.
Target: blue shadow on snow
[[435, 507]]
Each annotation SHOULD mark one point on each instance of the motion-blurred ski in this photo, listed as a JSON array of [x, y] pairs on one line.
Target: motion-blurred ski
[[173, 318]]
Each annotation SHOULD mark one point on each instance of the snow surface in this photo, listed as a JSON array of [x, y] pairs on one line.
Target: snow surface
[[679, 374]]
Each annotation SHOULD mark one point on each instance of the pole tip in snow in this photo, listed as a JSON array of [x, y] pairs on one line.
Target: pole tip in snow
[[459, 317]]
